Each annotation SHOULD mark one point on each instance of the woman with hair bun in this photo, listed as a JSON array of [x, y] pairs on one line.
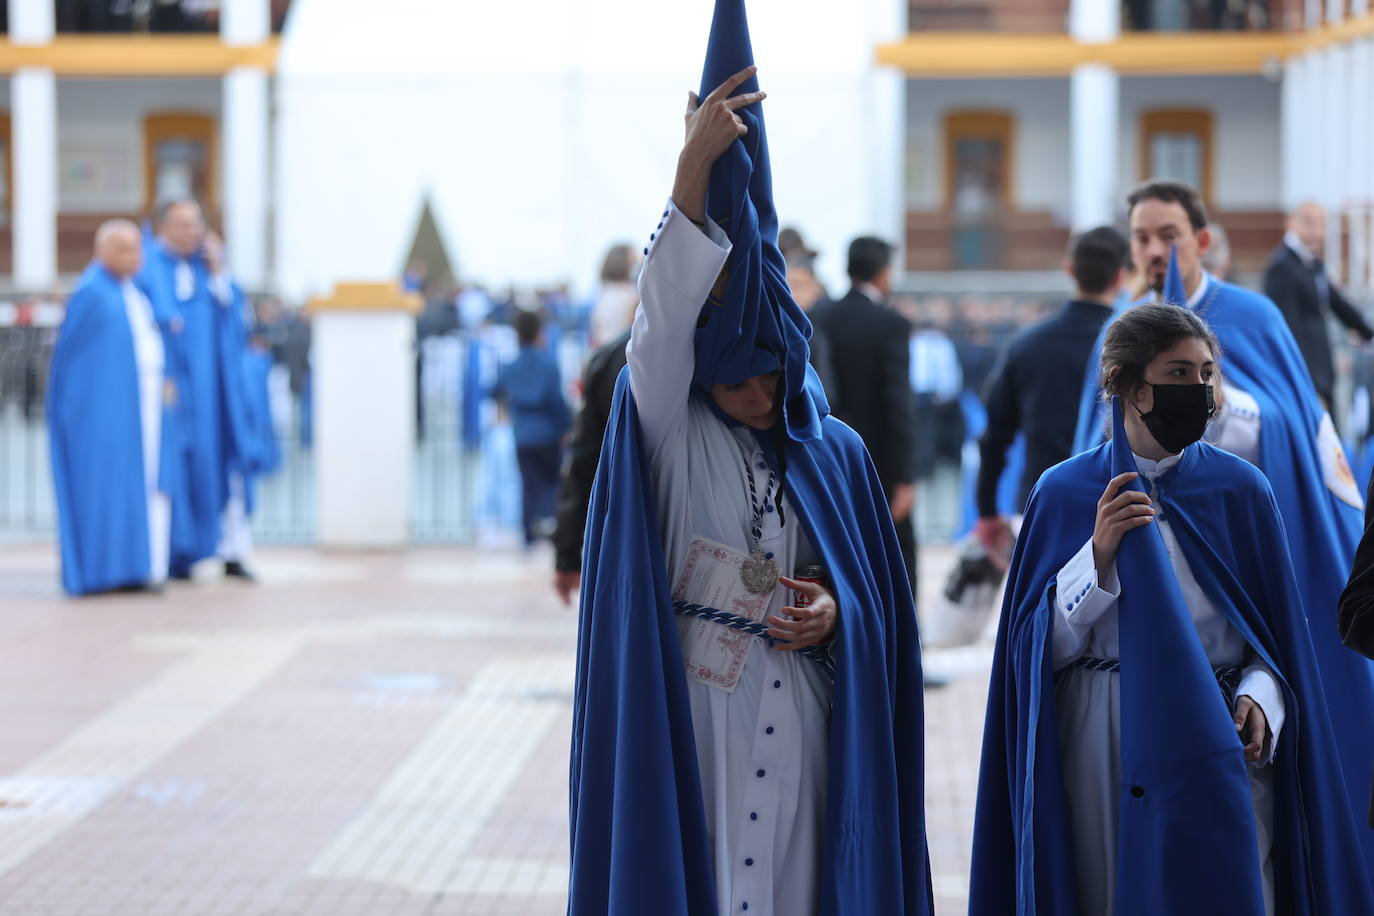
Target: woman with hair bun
[[1157, 739]]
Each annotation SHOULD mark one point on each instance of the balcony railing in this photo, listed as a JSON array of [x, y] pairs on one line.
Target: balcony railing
[[1052, 16], [149, 16]]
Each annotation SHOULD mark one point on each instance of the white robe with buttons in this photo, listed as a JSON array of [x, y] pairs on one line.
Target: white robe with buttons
[[1088, 704], [762, 748]]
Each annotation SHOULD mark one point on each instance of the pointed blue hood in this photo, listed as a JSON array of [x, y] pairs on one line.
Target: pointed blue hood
[[750, 324], [1174, 291]]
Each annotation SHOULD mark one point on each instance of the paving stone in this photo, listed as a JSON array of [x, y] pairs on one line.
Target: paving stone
[[369, 733]]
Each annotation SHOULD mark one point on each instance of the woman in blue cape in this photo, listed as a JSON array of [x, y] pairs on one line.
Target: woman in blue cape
[[766, 759], [1157, 739]]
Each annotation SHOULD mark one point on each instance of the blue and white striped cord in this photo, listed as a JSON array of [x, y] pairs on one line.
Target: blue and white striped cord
[[818, 654], [1228, 676]]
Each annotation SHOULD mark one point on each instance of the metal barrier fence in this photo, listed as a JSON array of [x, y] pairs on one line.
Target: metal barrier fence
[[465, 481]]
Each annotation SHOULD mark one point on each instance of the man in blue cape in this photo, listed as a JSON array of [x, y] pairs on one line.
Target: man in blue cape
[[1186, 826], [641, 832], [1271, 416], [112, 433], [183, 276]]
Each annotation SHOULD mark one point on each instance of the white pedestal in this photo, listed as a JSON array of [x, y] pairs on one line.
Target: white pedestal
[[364, 384]]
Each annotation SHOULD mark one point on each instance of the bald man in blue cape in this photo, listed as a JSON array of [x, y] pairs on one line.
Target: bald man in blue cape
[[791, 783], [113, 423], [1272, 417]]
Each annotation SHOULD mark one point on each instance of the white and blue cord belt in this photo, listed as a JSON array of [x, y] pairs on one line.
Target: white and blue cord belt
[[1228, 676], [818, 654]]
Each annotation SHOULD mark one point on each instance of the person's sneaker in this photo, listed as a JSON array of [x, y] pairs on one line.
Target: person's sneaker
[[233, 569]]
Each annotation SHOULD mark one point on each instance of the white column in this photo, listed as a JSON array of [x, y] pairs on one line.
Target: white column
[[244, 131], [1291, 114], [33, 104], [1357, 164], [1367, 177], [364, 383], [1334, 150], [32, 22], [245, 22], [1094, 105], [885, 99], [1094, 119]]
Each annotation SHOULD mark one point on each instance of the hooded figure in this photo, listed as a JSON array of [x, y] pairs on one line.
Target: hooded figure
[[1157, 736], [759, 756]]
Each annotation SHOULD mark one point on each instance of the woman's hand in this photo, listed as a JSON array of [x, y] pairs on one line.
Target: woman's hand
[[1252, 727], [1118, 511], [812, 625], [712, 126]]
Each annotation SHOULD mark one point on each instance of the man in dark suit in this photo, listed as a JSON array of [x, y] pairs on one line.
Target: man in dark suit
[[870, 387], [1296, 280], [575, 491], [1355, 614], [1040, 377]]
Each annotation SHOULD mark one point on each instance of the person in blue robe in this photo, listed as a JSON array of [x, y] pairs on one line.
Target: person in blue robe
[[109, 423], [1157, 737], [797, 788], [183, 275], [1269, 414]]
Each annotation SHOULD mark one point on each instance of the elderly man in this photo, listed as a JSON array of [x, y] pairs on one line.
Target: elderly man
[[1296, 280], [105, 410], [185, 278]]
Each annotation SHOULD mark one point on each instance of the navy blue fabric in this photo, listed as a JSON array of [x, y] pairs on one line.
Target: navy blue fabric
[[1260, 356], [95, 431], [1186, 840], [750, 324], [531, 386], [205, 361], [639, 842]]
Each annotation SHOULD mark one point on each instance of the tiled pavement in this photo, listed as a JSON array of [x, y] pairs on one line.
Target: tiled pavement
[[357, 734]]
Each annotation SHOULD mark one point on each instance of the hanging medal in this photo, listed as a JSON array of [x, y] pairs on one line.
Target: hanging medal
[[759, 573]]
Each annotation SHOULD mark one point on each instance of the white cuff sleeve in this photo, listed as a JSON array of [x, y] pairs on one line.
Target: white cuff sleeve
[[1080, 601], [219, 288], [1259, 684], [680, 268]]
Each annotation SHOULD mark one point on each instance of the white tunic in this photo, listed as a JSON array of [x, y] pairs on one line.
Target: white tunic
[[1089, 707], [762, 748], [150, 361]]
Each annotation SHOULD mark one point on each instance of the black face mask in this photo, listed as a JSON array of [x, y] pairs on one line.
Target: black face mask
[[1180, 415]]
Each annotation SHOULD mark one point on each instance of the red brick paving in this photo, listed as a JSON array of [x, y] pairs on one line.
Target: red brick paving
[[205, 751]]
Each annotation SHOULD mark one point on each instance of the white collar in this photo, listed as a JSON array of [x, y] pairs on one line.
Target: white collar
[[871, 291], [1298, 248], [1151, 469], [1196, 298]]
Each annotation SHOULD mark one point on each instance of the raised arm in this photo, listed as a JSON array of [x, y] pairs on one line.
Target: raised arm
[[681, 266]]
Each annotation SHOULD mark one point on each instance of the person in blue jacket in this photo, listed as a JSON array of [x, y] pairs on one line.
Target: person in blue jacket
[[1157, 736], [531, 390]]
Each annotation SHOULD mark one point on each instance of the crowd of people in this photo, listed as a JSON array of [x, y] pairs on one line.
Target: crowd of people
[[1176, 720], [157, 410]]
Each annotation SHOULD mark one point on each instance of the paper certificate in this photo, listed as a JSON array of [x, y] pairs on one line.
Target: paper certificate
[[714, 653]]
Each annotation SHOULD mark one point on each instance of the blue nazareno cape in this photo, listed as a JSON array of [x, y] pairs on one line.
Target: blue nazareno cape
[[205, 362], [1259, 354], [639, 842], [94, 427], [1186, 840]]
